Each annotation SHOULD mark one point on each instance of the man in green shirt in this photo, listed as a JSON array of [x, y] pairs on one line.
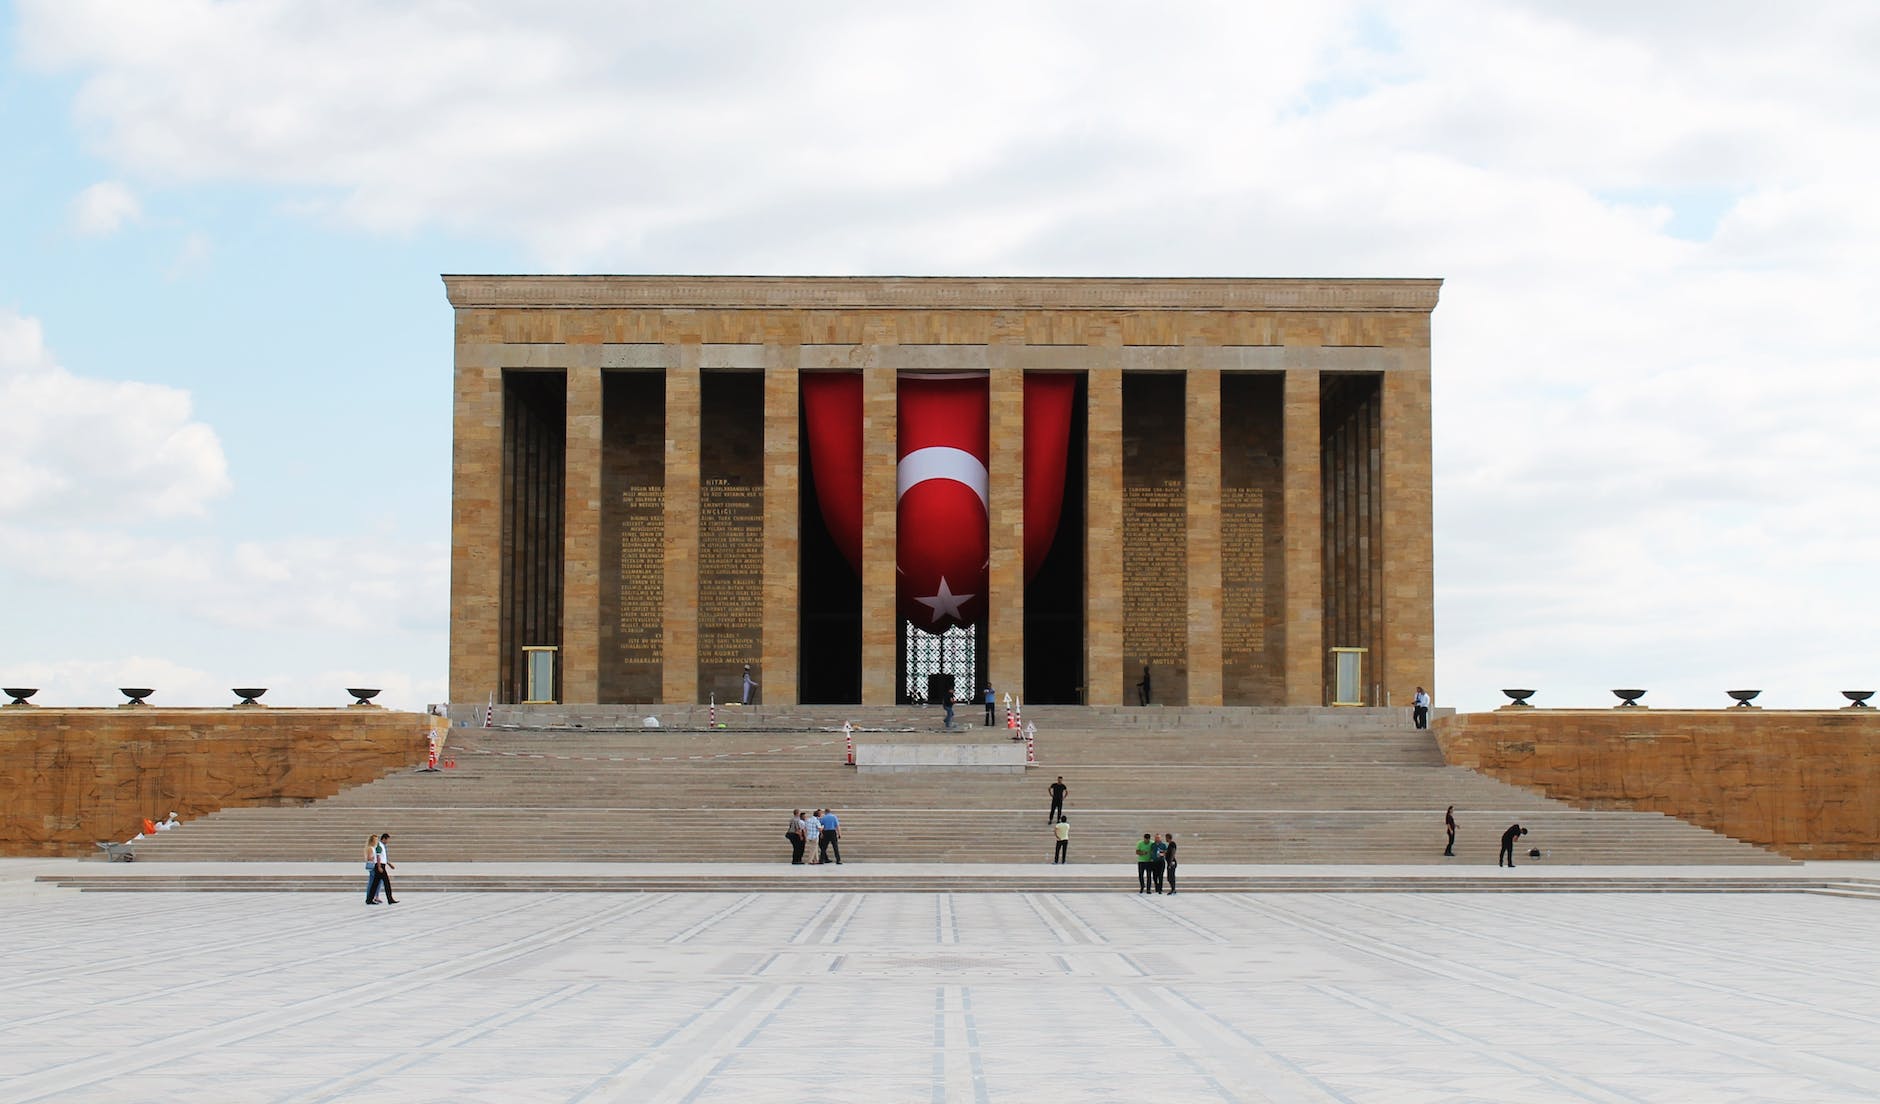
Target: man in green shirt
[[1144, 851]]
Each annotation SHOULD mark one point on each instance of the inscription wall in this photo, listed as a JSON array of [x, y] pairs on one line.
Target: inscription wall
[[731, 532], [633, 535], [1155, 534], [1253, 538]]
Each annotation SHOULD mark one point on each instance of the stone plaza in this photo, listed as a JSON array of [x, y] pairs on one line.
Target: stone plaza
[[810, 996]]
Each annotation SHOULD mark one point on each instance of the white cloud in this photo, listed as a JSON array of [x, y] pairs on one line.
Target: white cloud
[[1651, 465], [100, 210], [74, 448]]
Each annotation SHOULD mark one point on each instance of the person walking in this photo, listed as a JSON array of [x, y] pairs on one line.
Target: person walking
[[946, 722], [749, 685], [1449, 826], [372, 866], [1058, 790], [812, 836], [991, 700], [1168, 856], [1158, 862], [1420, 708], [1514, 832], [1143, 853], [1061, 851], [831, 836], [381, 872], [794, 833]]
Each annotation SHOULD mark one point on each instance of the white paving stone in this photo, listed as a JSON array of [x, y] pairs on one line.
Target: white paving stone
[[921, 996]]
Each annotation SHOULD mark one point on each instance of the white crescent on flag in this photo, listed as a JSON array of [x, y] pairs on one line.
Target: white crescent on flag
[[938, 462]]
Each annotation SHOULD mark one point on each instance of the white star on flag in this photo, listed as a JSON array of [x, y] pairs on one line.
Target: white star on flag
[[946, 603]]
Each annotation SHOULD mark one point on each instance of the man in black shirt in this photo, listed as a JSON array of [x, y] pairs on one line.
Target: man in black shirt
[[1514, 832], [1058, 790], [1449, 825], [1168, 856]]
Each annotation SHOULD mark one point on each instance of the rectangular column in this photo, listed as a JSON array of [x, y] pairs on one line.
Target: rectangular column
[[1005, 466], [679, 654], [581, 529], [476, 527], [1305, 597], [778, 679], [881, 621], [1409, 609], [1202, 459], [1103, 519]]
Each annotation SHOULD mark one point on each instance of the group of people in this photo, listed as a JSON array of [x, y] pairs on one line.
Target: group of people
[[1509, 836], [1155, 863], [379, 869], [818, 831], [986, 695]]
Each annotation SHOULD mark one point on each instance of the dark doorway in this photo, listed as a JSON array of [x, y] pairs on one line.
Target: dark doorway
[[535, 435], [1054, 597]]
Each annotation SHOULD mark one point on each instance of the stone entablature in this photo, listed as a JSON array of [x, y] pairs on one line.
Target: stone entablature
[[941, 293]]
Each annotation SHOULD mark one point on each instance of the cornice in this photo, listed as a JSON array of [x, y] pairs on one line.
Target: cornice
[[939, 293]]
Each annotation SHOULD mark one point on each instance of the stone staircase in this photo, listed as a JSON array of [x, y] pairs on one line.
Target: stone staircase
[[1237, 786]]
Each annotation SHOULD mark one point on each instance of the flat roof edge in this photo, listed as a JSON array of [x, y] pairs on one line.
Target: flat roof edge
[[941, 293]]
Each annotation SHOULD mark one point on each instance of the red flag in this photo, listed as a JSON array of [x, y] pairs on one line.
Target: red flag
[[941, 484], [1049, 398], [832, 416]]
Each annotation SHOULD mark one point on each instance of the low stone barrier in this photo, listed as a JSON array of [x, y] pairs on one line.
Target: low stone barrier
[[73, 777], [1005, 758], [1801, 782]]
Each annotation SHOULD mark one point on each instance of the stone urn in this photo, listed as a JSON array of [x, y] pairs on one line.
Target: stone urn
[[1857, 698], [19, 694], [248, 695], [362, 698], [1744, 697], [1628, 699], [135, 694], [1518, 699]]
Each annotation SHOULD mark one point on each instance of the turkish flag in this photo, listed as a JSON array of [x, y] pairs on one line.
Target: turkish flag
[[942, 482], [941, 485]]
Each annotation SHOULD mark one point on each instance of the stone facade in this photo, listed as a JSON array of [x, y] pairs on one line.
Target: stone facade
[[1799, 782], [74, 777], [1249, 558]]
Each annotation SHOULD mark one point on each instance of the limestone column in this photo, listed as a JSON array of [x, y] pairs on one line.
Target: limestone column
[[1005, 464], [782, 550], [679, 652], [1202, 479], [476, 527], [1409, 636], [1302, 494], [881, 621], [581, 529], [1103, 524]]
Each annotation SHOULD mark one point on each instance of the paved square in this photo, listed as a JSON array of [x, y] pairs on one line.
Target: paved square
[[929, 996]]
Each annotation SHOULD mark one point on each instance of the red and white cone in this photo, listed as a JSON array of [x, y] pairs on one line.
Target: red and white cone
[[430, 760], [848, 737], [711, 717], [1031, 745]]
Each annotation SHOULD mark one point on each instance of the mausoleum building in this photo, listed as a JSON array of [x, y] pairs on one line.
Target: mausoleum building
[[880, 490]]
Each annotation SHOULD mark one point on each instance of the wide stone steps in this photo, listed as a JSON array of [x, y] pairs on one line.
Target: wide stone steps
[[1287, 787], [954, 880]]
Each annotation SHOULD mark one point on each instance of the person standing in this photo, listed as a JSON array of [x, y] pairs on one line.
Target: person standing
[[1449, 826], [750, 685], [946, 721], [381, 872], [794, 833], [831, 836], [991, 700], [1061, 852], [1058, 790], [1168, 856], [1420, 708], [1514, 832], [1144, 693], [1143, 852], [1158, 862], [812, 835]]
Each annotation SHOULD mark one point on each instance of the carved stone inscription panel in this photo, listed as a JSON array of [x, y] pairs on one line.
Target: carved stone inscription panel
[[633, 535], [731, 532], [1155, 557]]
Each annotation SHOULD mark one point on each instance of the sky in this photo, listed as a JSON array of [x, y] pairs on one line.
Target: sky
[[225, 352]]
